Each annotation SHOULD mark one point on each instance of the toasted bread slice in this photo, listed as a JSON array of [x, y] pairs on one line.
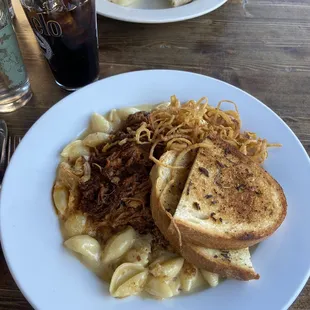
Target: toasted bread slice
[[229, 201], [164, 199]]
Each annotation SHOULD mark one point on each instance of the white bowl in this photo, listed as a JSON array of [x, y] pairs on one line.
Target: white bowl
[[51, 278]]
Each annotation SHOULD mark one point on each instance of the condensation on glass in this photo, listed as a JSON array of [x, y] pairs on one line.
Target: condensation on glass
[[15, 89], [11, 9]]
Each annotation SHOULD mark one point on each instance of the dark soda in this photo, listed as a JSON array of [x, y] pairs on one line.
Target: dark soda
[[67, 34]]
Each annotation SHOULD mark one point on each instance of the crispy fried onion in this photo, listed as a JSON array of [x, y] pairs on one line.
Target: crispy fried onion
[[179, 127]]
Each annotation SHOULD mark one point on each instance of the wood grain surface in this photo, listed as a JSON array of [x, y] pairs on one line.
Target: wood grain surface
[[260, 46]]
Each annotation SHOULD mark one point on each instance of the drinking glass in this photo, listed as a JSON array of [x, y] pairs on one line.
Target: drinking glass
[[11, 9], [15, 89], [66, 31]]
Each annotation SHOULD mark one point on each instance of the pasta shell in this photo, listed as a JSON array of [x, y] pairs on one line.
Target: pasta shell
[[60, 197], [116, 116], [75, 224], [74, 150], [118, 245], [167, 269], [175, 285], [158, 287], [140, 251], [78, 166], [125, 112], [114, 119], [210, 277], [133, 286], [87, 172], [161, 256], [123, 2], [73, 199], [190, 277], [163, 105], [67, 177], [87, 247], [95, 139], [99, 123], [128, 279]]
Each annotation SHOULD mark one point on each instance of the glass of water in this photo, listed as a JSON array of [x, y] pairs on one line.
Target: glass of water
[[11, 9], [15, 89]]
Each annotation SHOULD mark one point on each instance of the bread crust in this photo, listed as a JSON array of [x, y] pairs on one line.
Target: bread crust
[[193, 253], [226, 270], [237, 239]]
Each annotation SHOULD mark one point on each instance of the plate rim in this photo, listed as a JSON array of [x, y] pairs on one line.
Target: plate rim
[[133, 15], [62, 102]]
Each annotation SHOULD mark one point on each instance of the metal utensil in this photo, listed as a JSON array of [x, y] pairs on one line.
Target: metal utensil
[[8, 147], [12, 145], [3, 143]]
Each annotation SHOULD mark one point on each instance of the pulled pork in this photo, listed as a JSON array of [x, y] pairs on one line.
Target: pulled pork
[[118, 192]]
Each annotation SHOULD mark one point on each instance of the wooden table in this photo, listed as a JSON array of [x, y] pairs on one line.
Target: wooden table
[[260, 46]]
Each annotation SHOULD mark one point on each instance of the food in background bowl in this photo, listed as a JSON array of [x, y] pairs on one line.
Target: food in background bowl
[[173, 3]]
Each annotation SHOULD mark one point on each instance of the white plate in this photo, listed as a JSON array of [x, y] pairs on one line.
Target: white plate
[[51, 278], [156, 11]]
